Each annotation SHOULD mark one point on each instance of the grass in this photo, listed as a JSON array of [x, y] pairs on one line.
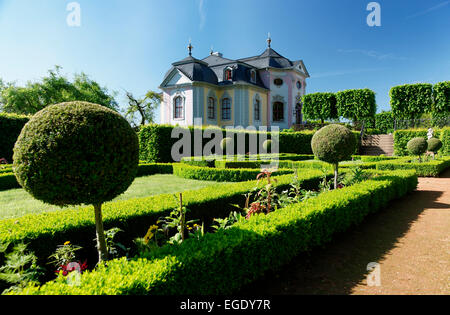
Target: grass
[[17, 202]]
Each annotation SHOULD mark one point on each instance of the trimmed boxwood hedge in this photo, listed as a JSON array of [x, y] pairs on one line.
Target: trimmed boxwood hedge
[[156, 142], [425, 169], [45, 231], [218, 174], [10, 127], [223, 262]]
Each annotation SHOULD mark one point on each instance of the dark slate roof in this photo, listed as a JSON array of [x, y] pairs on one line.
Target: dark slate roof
[[195, 70], [268, 59], [211, 69]]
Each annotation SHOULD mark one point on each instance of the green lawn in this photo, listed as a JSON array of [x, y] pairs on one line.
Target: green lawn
[[17, 202]]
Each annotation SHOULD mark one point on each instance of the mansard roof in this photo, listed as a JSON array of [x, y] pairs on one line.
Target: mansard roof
[[211, 69]]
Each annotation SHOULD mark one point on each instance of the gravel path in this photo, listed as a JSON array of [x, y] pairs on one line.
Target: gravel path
[[410, 241]]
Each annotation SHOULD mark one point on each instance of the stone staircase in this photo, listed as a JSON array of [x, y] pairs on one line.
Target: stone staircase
[[378, 145]]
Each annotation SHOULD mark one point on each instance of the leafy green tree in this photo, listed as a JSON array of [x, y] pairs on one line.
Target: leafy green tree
[[441, 106], [320, 106], [52, 89], [356, 105], [143, 107], [410, 101]]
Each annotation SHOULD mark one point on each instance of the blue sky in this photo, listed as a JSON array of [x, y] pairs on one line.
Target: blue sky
[[129, 45]]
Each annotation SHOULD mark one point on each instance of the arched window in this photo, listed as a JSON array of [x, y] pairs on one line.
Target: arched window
[[278, 111], [178, 112], [299, 85], [257, 110], [226, 109], [228, 74], [211, 108]]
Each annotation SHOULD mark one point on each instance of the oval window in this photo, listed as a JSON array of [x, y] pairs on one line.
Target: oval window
[[278, 82]]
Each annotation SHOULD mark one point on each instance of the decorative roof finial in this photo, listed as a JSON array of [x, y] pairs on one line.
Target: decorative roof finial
[[190, 47], [212, 50], [269, 41]]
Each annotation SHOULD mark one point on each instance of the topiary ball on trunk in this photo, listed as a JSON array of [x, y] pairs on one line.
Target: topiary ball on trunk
[[76, 153], [417, 146], [333, 144], [434, 145]]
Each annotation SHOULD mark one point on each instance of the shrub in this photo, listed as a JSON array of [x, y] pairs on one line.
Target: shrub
[[357, 105], [402, 137], [77, 153], [417, 146], [333, 144], [445, 138], [320, 106], [410, 101], [426, 169], [245, 251], [441, 92], [10, 127], [156, 142], [219, 174], [434, 145]]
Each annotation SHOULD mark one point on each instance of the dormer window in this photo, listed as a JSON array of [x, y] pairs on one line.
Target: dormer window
[[228, 74], [253, 76]]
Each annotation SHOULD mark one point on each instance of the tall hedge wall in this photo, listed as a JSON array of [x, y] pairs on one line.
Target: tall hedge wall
[[10, 127], [156, 142], [320, 106], [410, 101], [357, 105], [441, 93]]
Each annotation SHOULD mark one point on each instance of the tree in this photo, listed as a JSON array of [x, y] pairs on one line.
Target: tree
[[410, 101], [52, 89], [417, 146], [77, 153], [145, 107], [320, 106], [356, 105], [333, 144]]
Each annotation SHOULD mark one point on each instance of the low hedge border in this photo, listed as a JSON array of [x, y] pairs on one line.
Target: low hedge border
[[220, 175], [8, 179], [44, 232], [245, 251], [425, 169]]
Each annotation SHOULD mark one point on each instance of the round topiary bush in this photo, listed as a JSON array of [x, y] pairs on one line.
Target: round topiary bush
[[417, 146], [434, 145], [77, 153], [333, 144], [267, 145]]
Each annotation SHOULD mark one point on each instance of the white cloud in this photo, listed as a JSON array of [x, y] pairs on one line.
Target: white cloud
[[202, 12], [429, 10]]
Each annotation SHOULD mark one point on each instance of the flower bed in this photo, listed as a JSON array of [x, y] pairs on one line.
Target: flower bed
[[44, 232], [223, 262]]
